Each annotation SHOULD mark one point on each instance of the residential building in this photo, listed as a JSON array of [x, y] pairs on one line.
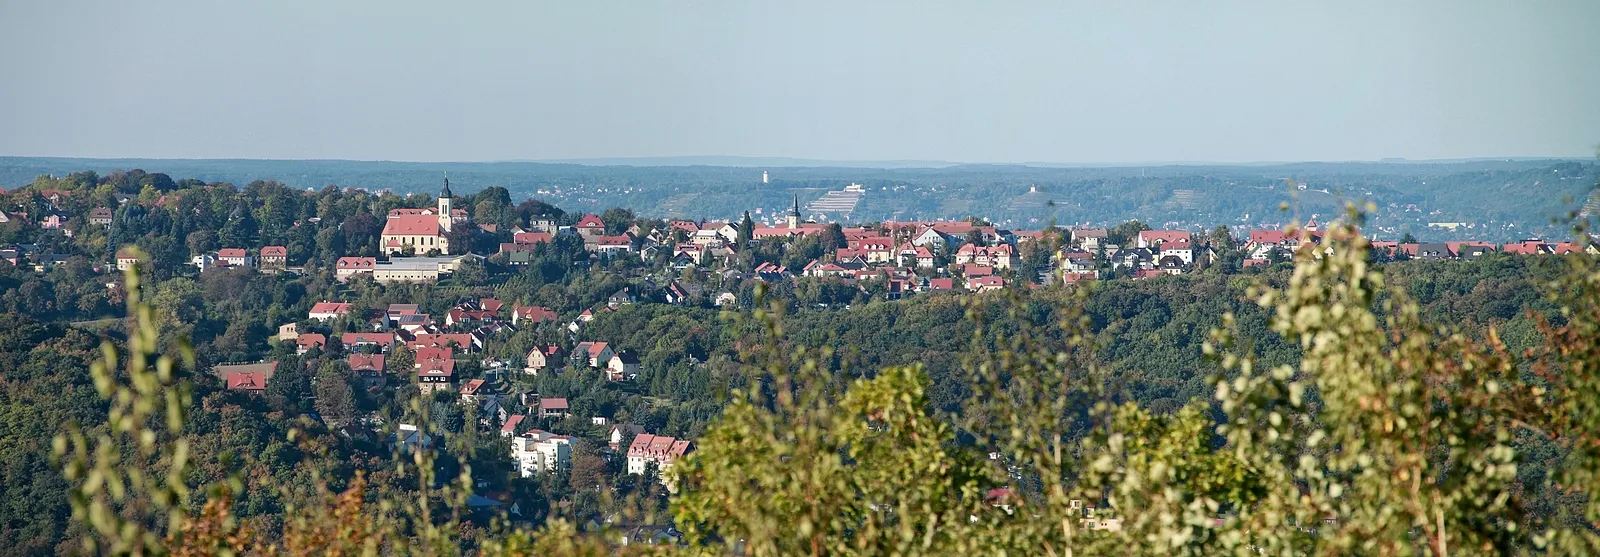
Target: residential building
[[553, 407], [542, 358], [236, 257], [660, 450], [434, 375], [326, 311], [597, 354], [310, 341], [347, 267], [274, 257], [538, 451], [126, 259], [622, 366]]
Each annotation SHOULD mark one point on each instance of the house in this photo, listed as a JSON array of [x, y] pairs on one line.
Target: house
[[597, 354], [434, 375], [310, 341], [1434, 251], [999, 257], [538, 451], [274, 257], [542, 358], [413, 322], [621, 432], [590, 226], [622, 366], [552, 407], [126, 259], [621, 298], [245, 377], [660, 450], [1078, 261], [1181, 251], [249, 382], [100, 216], [1074, 278], [1170, 265], [985, 283], [383, 340], [530, 238], [610, 246], [675, 294], [533, 315], [370, 367], [920, 256], [347, 267], [509, 428], [408, 438], [466, 342], [326, 311], [236, 257], [433, 353], [938, 284], [288, 331], [473, 390], [1158, 238]]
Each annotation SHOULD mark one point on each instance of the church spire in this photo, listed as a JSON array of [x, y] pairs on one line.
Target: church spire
[[445, 192]]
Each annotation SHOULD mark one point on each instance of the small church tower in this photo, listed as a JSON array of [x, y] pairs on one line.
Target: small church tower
[[445, 220], [794, 213]]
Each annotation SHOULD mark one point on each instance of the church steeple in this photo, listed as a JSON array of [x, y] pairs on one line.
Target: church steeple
[[794, 213], [445, 192], [446, 220]]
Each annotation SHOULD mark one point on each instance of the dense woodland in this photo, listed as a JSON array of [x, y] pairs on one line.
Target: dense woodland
[[1144, 339]]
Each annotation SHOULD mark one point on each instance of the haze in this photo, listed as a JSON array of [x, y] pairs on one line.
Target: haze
[[1047, 81]]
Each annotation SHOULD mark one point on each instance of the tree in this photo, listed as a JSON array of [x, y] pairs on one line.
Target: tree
[[461, 238], [201, 242], [472, 272], [617, 220], [747, 230], [336, 400], [1125, 233], [833, 238], [240, 230]]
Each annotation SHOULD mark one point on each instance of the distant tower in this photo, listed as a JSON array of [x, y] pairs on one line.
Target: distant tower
[[794, 213], [444, 204], [763, 176]]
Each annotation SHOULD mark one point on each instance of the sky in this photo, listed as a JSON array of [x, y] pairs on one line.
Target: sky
[[1015, 81]]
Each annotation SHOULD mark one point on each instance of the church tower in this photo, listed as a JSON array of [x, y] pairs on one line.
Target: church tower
[[445, 220], [794, 213]]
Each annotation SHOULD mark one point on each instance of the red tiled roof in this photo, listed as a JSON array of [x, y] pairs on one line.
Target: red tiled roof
[[366, 362], [436, 368], [553, 403], [231, 252], [512, 423], [248, 381], [412, 225], [381, 339], [591, 221], [435, 353], [330, 307], [311, 340], [1164, 236], [530, 237], [538, 314], [274, 251], [357, 262]]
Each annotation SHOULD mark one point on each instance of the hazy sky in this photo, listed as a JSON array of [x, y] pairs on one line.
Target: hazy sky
[[1008, 81]]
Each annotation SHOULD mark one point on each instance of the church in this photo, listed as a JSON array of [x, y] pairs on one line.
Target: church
[[422, 230]]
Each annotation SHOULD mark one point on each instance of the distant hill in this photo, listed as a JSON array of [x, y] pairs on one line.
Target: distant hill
[[1500, 199]]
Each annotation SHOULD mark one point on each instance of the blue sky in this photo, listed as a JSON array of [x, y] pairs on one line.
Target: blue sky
[[1047, 81]]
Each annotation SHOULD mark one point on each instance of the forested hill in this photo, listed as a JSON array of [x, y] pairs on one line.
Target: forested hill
[[1500, 200]]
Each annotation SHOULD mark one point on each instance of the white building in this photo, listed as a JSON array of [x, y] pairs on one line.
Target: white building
[[661, 450], [540, 451]]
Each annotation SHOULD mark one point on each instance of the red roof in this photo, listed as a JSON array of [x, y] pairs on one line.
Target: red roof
[[657, 446], [462, 340], [248, 381], [1164, 236], [412, 225], [436, 368], [538, 314], [435, 353], [530, 237], [512, 423], [357, 263], [366, 362], [311, 340], [274, 251], [977, 270], [472, 387], [553, 403], [1267, 236], [591, 221], [337, 308], [986, 281], [230, 252], [622, 240], [593, 348], [941, 284]]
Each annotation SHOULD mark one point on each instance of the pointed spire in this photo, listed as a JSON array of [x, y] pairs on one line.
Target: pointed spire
[[445, 193], [795, 211]]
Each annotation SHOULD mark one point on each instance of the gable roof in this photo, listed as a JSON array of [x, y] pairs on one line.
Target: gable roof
[[591, 221], [366, 362], [356, 262], [274, 251], [411, 225]]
